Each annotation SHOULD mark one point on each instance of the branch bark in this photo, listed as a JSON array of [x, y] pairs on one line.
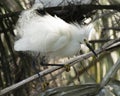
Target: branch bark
[[110, 74], [71, 62], [62, 11]]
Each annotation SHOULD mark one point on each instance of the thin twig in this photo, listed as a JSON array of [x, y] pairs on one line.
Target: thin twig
[[110, 74], [100, 41], [112, 28], [47, 71]]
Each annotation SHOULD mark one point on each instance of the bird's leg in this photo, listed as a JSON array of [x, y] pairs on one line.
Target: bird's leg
[[66, 66], [89, 46], [43, 83]]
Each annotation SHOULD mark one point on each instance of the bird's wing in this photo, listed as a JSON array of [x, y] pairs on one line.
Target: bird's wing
[[55, 42], [43, 34], [53, 33]]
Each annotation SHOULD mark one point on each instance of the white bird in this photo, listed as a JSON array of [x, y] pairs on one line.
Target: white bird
[[49, 35]]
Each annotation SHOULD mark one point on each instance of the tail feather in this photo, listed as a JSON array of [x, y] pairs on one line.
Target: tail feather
[[22, 45]]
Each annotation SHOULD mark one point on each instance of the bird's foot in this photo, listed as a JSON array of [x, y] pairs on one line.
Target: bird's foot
[[67, 67]]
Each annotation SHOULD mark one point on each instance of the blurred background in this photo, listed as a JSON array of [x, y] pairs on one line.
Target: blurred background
[[15, 66]]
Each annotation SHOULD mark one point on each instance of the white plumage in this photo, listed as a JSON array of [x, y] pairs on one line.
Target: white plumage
[[49, 35]]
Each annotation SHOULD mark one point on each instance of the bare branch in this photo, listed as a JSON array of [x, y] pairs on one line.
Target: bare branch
[[71, 62], [110, 74], [62, 10], [112, 28]]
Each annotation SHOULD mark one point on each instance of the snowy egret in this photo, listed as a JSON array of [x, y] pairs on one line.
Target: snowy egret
[[49, 35]]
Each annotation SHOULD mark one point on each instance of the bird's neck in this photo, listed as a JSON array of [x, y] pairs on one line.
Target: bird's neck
[[79, 33]]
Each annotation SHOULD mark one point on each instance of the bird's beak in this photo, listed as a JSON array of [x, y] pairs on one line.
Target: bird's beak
[[89, 46]]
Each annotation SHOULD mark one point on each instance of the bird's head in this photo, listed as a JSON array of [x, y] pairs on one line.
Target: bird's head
[[82, 34]]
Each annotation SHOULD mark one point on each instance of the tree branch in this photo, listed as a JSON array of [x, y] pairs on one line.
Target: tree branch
[[110, 74], [73, 10], [111, 28], [71, 62]]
